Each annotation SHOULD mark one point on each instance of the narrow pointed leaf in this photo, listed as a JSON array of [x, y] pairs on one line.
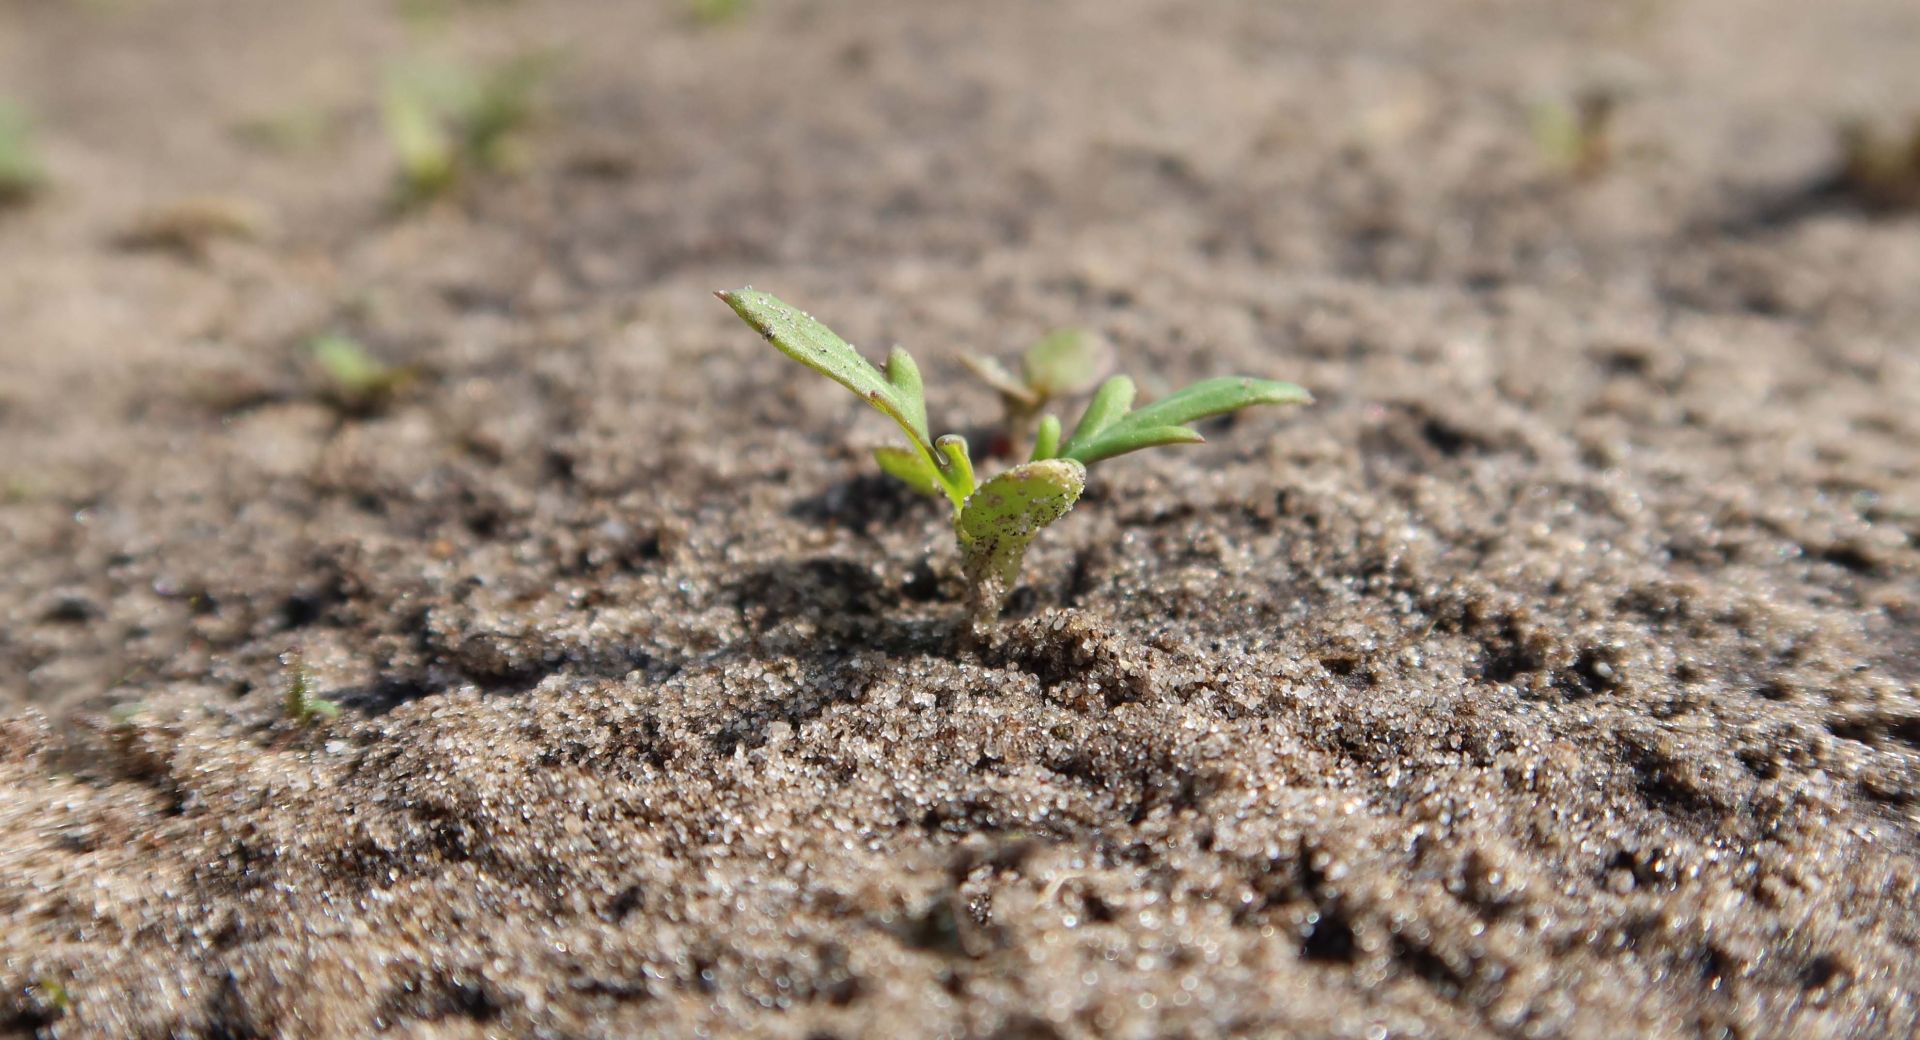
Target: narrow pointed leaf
[[1155, 424], [910, 467], [1001, 518], [1109, 403], [1046, 443], [1123, 441]]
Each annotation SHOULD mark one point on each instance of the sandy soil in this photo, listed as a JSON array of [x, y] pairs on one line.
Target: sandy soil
[[1554, 675]]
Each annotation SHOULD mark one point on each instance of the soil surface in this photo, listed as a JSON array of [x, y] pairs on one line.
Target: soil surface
[[1554, 675]]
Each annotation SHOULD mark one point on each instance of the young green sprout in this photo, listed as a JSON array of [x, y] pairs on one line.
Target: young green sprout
[[301, 705], [447, 120], [997, 519], [353, 380], [52, 997], [716, 12], [1578, 138], [1064, 363], [20, 171]]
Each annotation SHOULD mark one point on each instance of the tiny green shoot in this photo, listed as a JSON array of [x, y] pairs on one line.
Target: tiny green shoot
[[997, 520], [301, 705], [21, 174], [445, 121], [53, 995], [1577, 138], [353, 380], [717, 12], [1063, 363]]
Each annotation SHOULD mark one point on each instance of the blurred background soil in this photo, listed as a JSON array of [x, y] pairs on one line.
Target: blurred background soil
[[1553, 675]]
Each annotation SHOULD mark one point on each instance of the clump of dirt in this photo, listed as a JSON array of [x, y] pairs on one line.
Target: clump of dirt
[[1553, 675]]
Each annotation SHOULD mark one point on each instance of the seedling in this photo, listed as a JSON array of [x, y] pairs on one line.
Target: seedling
[[20, 172], [445, 120], [354, 381], [716, 12], [47, 1000], [54, 994], [1577, 138], [996, 520], [1064, 363], [301, 705], [1881, 169]]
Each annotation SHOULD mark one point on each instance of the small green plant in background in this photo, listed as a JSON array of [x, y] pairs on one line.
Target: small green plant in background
[[301, 705], [21, 174], [353, 380], [1062, 364], [46, 1001], [1577, 137], [1881, 168], [445, 120], [996, 520], [54, 994], [717, 12]]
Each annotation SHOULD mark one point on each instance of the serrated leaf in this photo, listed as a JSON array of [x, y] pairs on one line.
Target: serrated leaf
[[909, 467], [1001, 519], [1102, 434], [1065, 362]]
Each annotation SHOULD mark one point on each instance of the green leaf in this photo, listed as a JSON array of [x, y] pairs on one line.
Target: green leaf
[[958, 471], [1108, 429], [1065, 362], [1046, 443], [20, 170], [905, 377], [353, 379], [814, 345], [1000, 520], [301, 705], [896, 393], [910, 467], [420, 139], [1109, 403]]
